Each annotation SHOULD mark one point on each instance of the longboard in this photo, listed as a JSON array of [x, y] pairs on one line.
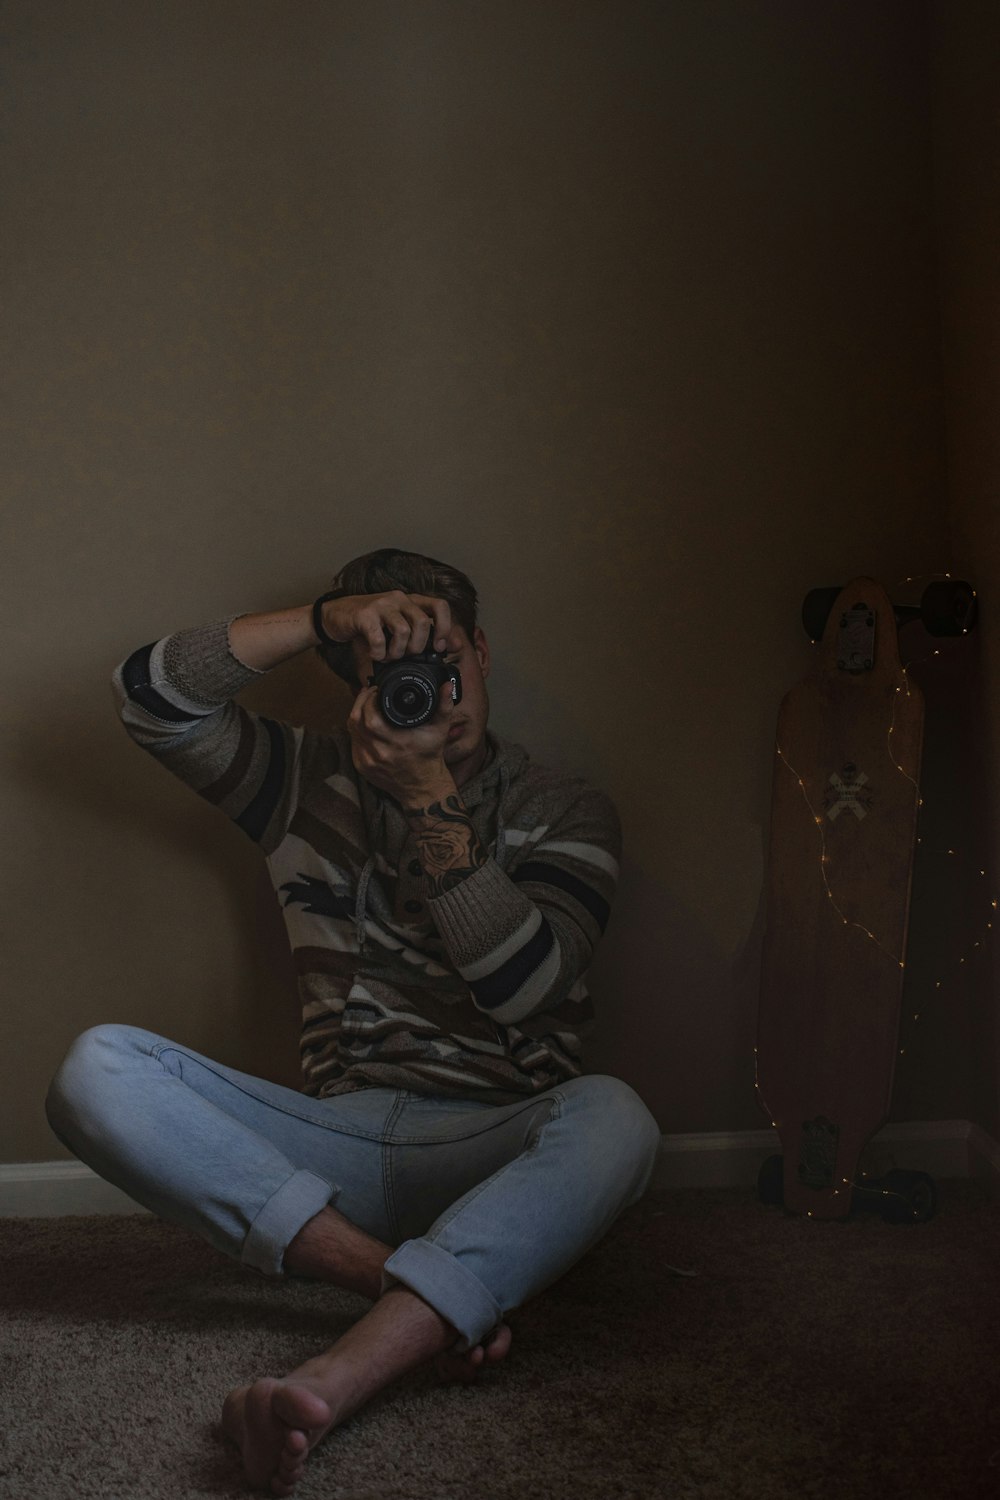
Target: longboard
[[843, 831]]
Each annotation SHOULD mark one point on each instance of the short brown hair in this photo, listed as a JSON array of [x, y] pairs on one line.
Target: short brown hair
[[391, 568]]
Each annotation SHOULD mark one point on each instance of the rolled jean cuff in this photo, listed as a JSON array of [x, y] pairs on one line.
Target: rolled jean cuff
[[443, 1282], [300, 1198]]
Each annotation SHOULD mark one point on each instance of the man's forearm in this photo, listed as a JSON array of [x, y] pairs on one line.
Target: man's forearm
[[264, 641], [450, 849]]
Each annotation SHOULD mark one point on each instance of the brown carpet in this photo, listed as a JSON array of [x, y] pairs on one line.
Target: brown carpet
[[803, 1361]]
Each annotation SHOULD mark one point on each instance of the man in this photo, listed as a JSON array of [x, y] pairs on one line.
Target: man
[[443, 896]]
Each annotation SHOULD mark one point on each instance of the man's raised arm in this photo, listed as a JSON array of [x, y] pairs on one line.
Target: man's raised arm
[[175, 698], [390, 624]]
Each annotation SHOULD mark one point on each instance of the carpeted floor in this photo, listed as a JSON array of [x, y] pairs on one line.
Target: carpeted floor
[[803, 1362]]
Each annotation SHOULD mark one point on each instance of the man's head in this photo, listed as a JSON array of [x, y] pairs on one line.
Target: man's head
[[390, 568]]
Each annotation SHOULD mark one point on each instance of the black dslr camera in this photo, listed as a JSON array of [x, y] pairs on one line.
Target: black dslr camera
[[409, 688]]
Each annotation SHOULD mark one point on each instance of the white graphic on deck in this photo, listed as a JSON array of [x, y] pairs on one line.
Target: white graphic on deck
[[847, 794]]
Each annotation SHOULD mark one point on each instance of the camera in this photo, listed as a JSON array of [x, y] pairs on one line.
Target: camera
[[409, 688]]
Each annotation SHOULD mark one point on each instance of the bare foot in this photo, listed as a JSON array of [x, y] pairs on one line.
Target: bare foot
[[275, 1423], [465, 1367]]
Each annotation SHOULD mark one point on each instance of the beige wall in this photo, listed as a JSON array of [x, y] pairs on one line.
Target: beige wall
[[627, 309]]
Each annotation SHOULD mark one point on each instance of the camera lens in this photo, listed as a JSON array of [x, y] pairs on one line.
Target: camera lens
[[408, 698], [408, 689]]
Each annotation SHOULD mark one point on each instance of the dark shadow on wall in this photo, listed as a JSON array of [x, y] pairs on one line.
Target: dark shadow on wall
[[664, 988], [947, 1040]]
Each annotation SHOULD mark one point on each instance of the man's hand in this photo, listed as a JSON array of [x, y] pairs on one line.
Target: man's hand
[[388, 626], [263, 641], [407, 763]]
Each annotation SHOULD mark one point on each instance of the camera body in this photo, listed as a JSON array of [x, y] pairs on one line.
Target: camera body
[[409, 688]]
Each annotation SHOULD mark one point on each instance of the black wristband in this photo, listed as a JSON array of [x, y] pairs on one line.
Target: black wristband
[[317, 617]]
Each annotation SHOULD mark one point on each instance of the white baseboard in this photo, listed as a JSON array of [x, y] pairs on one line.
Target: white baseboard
[[720, 1158], [50, 1189]]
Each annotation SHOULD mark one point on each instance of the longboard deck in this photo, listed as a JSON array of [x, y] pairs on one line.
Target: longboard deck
[[843, 830]]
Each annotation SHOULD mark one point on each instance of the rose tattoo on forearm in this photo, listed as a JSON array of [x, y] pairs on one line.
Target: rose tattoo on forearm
[[449, 845]]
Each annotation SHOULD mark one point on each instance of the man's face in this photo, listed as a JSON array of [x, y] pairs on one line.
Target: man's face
[[465, 750]]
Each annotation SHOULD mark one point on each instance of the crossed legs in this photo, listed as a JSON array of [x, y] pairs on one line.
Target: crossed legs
[[491, 1205], [330, 1248]]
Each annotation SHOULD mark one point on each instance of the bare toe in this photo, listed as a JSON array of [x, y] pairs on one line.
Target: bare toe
[[275, 1425], [498, 1347], [465, 1367], [300, 1409]]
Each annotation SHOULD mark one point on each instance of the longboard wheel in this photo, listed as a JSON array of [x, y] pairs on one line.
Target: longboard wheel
[[909, 1197], [948, 607], [771, 1181]]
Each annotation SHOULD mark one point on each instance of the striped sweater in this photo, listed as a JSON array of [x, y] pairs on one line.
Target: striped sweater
[[479, 992]]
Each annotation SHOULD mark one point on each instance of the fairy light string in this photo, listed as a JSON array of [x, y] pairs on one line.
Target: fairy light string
[[824, 860]]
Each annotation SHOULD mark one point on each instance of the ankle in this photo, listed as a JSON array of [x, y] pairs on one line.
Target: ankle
[[330, 1248]]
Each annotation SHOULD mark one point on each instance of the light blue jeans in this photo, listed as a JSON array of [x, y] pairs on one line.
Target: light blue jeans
[[486, 1204]]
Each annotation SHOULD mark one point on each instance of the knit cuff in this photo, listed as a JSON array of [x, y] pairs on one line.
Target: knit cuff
[[479, 914], [200, 664]]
